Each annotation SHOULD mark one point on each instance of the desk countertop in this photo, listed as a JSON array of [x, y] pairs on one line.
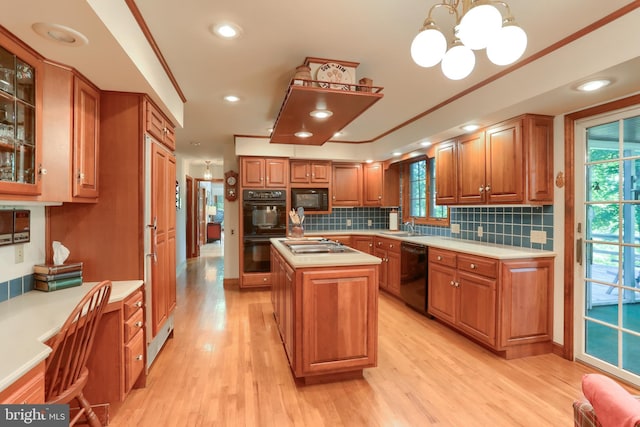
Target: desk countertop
[[28, 321]]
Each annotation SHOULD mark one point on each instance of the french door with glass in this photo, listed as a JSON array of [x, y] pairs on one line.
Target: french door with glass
[[608, 231]]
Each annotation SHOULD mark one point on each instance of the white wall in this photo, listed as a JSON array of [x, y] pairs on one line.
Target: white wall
[[558, 232], [181, 217], [231, 222]]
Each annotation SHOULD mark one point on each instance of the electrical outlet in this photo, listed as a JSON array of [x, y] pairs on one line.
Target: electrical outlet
[[348, 222], [19, 254], [233, 231], [480, 231], [369, 223], [455, 228], [538, 237]]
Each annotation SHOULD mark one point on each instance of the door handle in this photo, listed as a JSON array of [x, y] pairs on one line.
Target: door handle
[[579, 251]]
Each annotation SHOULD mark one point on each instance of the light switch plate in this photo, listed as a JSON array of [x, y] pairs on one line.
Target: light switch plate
[[348, 222], [455, 228], [538, 237], [480, 231]]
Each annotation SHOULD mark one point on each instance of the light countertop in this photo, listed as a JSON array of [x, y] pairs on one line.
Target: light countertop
[[29, 320], [324, 259], [489, 250]]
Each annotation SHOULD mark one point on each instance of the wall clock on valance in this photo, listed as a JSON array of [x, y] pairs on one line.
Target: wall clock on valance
[[231, 185]]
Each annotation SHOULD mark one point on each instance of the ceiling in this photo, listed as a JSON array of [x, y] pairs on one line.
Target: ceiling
[[418, 103]]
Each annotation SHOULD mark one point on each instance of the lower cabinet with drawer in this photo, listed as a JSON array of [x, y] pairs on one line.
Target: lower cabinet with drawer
[[118, 356], [29, 389], [506, 305]]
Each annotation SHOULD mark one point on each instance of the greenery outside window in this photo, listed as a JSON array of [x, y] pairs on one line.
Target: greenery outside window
[[419, 197]]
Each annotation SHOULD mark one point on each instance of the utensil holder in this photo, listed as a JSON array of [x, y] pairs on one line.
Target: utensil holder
[[296, 231]]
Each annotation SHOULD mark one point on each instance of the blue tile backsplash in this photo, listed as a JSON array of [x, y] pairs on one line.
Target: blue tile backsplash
[[509, 226], [16, 287]]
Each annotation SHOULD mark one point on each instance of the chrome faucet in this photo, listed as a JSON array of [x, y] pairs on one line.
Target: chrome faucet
[[411, 225]]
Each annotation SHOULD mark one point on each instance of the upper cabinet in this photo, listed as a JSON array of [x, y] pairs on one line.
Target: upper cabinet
[[510, 162], [257, 172], [316, 172], [20, 118], [71, 130], [159, 127], [347, 184], [381, 184]]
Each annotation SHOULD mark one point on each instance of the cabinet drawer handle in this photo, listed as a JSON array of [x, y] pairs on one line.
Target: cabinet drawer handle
[[439, 258], [139, 324], [139, 357], [473, 266]]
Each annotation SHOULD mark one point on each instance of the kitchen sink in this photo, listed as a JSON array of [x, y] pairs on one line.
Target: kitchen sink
[[398, 233]]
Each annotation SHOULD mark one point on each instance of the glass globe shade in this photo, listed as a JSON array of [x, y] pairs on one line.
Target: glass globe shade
[[507, 46], [458, 62], [428, 47], [479, 25]]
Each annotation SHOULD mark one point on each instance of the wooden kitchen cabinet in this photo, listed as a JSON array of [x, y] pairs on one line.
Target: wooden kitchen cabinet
[[346, 184], [446, 173], [363, 244], [510, 162], [21, 137], [28, 389], [117, 360], [388, 250], [476, 296], [71, 128], [258, 172], [345, 239], [381, 184], [322, 339], [159, 127], [316, 172]]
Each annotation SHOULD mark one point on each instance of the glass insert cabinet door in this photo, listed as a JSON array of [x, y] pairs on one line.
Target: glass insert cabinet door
[[17, 119]]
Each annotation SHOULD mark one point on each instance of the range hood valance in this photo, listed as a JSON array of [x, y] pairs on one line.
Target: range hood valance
[[335, 90]]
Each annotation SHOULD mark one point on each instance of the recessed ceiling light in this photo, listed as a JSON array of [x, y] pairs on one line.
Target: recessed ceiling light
[[303, 134], [60, 34], [592, 85], [321, 114], [337, 134], [396, 153], [270, 130], [425, 143], [369, 161], [231, 98], [227, 30], [469, 128]]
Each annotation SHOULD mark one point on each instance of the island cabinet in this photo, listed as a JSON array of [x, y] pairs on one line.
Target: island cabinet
[[258, 172], [71, 128], [388, 250], [28, 389], [117, 360], [327, 318], [346, 184], [506, 305], [510, 162], [363, 244], [316, 173]]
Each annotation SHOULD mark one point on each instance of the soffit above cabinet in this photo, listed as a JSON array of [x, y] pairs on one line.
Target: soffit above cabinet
[[334, 87]]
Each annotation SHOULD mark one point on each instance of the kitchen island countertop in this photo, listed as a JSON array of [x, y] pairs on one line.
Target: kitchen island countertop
[[29, 320]]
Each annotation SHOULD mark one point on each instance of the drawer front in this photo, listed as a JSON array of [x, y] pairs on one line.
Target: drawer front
[[27, 390], [132, 303], [442, 257], [133, 325], [257, 279], [133, 360], [477, 265]]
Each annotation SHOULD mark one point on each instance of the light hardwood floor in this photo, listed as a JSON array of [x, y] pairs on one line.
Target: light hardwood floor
[[226, 366]]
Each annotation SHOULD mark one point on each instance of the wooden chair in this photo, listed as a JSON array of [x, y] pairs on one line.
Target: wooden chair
[[66, 373]]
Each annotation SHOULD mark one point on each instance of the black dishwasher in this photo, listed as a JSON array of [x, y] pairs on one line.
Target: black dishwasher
[[413, 275]]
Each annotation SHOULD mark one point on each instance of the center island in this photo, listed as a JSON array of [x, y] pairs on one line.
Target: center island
[[325, 303]]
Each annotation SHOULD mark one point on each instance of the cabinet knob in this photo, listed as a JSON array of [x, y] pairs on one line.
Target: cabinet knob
[[370, 245], [139, 357], [138, 304], [264, 279], [481, 189], [80, 176], [452, 283], [439, 258], [457, 285], [473, 266], [139, 324], [42, 171], [390, 245], [487, 188]]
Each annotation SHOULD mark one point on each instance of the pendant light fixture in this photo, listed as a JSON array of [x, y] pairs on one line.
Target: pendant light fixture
[[478, 24], [207, 173]]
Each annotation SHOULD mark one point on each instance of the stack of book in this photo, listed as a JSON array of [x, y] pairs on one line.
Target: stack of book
[[49, 277]]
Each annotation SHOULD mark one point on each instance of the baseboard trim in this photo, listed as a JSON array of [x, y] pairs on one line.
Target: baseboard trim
[[231, 283]]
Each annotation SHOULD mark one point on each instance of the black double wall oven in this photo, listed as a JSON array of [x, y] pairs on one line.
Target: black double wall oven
[[264, 216]]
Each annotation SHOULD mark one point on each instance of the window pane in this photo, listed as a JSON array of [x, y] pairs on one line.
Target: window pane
[[417, 189], [435, 211]]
